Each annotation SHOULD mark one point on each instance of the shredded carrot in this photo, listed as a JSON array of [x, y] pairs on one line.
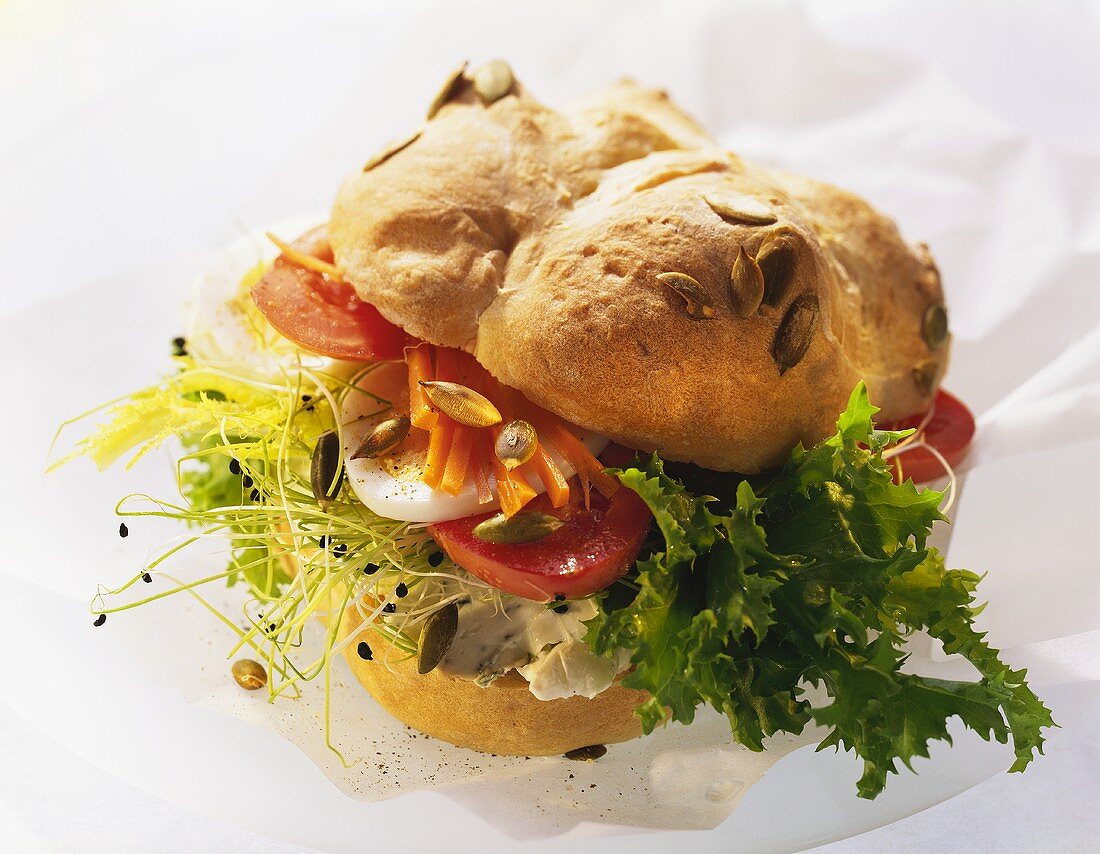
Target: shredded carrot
[[419, 359], [589, 469], [481, 469], [303, 259], [458, 459], [439, 445], [557, 487]]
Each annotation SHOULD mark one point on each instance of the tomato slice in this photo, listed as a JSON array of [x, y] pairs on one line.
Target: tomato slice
[[950, 431], [591, 550], [322, 314]]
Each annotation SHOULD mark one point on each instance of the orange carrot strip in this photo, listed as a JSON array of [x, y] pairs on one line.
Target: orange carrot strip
[[557, 487], [481, 474], [587, 466], [439, 445], [419, 359], [458, 459]]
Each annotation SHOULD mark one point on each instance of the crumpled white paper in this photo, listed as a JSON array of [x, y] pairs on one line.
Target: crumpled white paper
[[1012, 216]]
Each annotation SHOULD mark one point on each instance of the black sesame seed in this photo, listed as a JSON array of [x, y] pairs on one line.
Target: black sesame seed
[[340, 549], [402, 590], [560, 609], [234, 466], [389, 607], [271, 627], [435, 558], [100, 620], [364, 651], [322, 541], [123, 531], [179, 346], [247, 481], [147, 578], [306, 398], [559, 597], [254, 495], [370, 568]]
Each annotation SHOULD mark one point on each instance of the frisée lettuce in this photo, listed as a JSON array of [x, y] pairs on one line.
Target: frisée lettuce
[[814, 576]]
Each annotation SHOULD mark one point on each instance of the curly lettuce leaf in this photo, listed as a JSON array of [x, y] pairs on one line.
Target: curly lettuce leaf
[[816, 578]]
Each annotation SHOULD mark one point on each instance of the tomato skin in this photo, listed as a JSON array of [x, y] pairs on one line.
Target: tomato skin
[[323, 315], [950, 431], [590, 551]]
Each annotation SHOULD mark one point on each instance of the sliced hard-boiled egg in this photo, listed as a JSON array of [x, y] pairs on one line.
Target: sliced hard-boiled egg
[[392, 485]]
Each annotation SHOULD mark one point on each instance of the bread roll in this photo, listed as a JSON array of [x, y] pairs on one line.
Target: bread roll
[[537, 239]]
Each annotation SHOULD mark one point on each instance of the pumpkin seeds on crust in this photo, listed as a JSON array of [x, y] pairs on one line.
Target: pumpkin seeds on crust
[[493, 81], [777, 260], [395, 147], [436, 637], [447, 90], [746, 284], [793, 337], [934, 325], [741, 209], [692, 299]]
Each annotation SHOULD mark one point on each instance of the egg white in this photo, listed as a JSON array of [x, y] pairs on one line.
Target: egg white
[[391, 485]]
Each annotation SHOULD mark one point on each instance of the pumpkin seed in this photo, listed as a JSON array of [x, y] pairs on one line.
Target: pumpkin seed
[[447, 90], [516, 443], [462, 404], [777, 260], [746, 284], [934, 325], [326, 469], [385, 437], [741, 209], [493, 81], [694, 301], [436, 637], [526, 527], [793, 337], [249, 674], [390, 150], [924, 375], [587, 754]]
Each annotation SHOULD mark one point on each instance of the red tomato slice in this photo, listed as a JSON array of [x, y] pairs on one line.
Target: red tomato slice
[[949, 431], [321, 314], [591, 550]]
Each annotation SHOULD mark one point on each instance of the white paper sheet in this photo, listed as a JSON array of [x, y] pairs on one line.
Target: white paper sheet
[[1007, 196]]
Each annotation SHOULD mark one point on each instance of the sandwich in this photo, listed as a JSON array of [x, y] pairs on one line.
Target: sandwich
[[568, 423]]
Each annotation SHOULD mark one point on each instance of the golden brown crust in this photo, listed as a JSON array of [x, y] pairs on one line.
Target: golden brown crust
[[505, 718], [534, 239]]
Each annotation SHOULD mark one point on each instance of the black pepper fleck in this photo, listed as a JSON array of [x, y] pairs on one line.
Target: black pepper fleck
[[364, 651], [100, 620], [401, 590], [179, 346], [123, 531]]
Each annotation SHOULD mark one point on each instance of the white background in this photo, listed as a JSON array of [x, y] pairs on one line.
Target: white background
[[137, 136]]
